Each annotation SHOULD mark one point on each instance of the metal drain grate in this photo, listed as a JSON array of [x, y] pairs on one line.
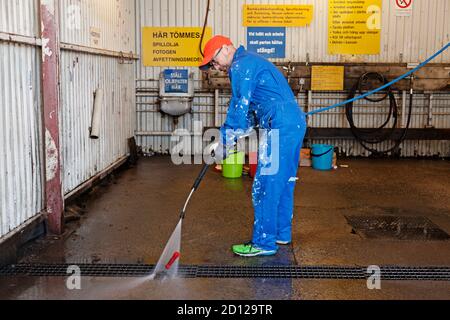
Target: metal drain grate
[[292, 272], [395, 227]]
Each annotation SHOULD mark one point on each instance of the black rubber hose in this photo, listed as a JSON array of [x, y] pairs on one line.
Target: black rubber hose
[[365, 135], [204, 28]]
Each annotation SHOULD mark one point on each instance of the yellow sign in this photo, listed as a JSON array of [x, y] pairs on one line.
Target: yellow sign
[[325, 78], [354, 26], [177, 46], [263, 15]]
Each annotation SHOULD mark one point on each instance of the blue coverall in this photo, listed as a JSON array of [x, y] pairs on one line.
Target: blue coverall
[[260, 89]]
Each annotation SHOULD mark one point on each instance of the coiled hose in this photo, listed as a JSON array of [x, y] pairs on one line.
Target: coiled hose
[[372, 136]]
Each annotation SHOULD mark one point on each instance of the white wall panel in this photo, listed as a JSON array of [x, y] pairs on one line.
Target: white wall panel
[[19, 17], [21, 183], [81, 75], [112, 19]]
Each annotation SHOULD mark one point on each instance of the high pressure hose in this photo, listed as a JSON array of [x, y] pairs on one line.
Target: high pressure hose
[[204, 28]]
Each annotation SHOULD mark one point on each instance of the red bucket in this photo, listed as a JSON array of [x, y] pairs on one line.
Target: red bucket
[[253, 159]]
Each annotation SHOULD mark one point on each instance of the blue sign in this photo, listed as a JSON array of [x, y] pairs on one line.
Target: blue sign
[[176, 81], [268, 42]]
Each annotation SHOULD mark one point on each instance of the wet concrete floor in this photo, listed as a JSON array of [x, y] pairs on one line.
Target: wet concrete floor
[[130, 219]]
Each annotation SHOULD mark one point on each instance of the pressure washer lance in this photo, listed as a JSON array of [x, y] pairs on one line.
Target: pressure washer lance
[[168, 262], [167, 265], [194, 188]]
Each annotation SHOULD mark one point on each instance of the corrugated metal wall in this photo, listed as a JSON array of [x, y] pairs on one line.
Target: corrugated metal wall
[[81, 75], [21, 181], [101, 30], [403, 39], [19, 17], [112, 20], [111, 23]]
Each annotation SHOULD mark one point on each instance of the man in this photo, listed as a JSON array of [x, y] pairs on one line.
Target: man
[[259, 90]]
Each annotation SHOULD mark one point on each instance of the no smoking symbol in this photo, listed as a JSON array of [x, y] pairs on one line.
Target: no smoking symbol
[[403, 3]]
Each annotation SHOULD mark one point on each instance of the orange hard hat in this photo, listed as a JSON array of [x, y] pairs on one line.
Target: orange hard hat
[[212, 45]]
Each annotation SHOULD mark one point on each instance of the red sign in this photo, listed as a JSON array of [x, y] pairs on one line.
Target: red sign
[[403, 4]]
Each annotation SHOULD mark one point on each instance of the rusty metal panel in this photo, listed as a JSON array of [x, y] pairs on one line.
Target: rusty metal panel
[[81, 75], [21, 162]]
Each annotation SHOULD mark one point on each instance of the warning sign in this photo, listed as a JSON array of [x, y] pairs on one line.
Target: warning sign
[[177, 46], [403, 8], [324, 78], [263, 15], [354, 26], [403, 4]]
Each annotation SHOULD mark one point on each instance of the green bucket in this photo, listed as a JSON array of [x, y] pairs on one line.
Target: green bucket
[[233, 165]]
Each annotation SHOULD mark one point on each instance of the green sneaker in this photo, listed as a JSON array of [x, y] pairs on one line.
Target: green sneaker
[[250, 250]]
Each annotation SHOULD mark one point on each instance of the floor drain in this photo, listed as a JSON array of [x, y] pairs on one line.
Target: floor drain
[[205, 271], [395, 227]]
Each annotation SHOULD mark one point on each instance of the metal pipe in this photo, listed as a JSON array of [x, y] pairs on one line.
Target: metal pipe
[[27, 40], [430, 111], [97, 114], [309, 104], [16, 38], [403, 108], [96, 51], [216, 107]]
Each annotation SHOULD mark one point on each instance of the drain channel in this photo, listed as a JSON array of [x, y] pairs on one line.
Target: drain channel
[[203, 271]]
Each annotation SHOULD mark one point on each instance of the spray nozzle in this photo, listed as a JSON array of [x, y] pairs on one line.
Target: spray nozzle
[[172, 260]]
